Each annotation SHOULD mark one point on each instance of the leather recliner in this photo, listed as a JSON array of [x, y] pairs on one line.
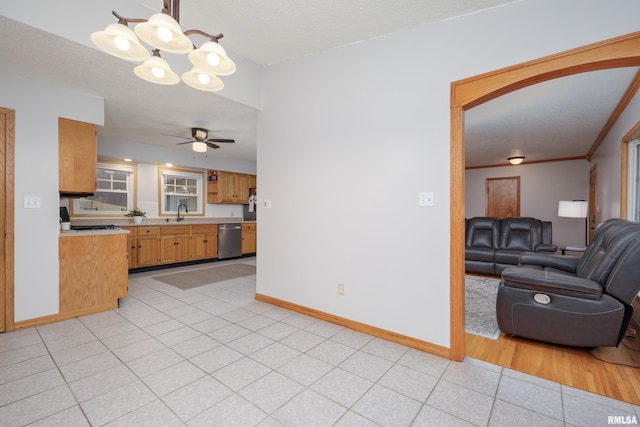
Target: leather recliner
[[576, 301]]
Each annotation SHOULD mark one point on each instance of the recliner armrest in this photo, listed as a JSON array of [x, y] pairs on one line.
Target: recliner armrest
[[551, 281], [547, 247], [561, 262]]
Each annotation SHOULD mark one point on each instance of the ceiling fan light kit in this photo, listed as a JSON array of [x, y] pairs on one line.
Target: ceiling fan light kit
[[516, 160], [162, 31], [199, 147]]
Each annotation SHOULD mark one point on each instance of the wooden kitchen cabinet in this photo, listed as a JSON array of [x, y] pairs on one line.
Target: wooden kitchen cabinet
[[93, 273], [132, 252], [174, 244], [204, 241], [77, 156], [148, 246], [229, 187], [248, 238]]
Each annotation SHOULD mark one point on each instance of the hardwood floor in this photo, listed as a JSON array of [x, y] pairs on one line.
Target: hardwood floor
[[574, 367]]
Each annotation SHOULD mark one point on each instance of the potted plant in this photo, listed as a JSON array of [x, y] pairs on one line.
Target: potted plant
[[137, 215]]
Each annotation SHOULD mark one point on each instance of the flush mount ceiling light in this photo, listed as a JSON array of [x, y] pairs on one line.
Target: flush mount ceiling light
[[516, 160], [163, 33]]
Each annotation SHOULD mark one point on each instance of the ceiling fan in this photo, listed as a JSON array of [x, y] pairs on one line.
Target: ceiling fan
[[200, 140]]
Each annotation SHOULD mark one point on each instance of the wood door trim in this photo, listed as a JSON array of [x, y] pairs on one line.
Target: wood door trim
[[8, 145], [621, 51]]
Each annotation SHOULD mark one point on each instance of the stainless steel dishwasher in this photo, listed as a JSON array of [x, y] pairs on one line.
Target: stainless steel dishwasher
[[229, 240]]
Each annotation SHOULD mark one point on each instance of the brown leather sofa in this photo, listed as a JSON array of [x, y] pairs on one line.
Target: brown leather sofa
[[493, 244], [577, 301]]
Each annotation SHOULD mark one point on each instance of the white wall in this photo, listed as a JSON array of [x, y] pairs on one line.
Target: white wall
[[38, 107], [542, 186], [349, 137], [607, 159]]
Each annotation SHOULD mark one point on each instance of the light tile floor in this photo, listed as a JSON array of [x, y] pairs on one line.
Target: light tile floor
[[214, 356]]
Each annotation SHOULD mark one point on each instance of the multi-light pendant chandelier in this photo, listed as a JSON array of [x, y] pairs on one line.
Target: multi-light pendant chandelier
[[162, 31]]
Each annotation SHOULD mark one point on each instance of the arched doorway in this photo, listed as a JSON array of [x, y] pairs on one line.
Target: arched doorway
[[621, 51]]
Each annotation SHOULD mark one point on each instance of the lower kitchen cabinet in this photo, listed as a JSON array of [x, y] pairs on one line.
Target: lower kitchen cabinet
[[174, 244], [143, 246], [148, 246], [204, 241], [248, 238], [93, 273]]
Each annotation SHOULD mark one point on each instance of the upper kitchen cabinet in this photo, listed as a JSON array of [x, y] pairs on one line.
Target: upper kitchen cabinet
[[77, 156], [229, 187]]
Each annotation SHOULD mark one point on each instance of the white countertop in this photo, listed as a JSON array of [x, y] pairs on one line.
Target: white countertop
[[78, 233]]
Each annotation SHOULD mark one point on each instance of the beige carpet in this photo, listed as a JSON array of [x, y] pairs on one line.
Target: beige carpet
[[480, 306], [194, 278]]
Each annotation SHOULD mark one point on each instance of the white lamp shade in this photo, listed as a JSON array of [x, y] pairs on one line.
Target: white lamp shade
[[212, 58], [198, 79], [156, 70], [120, 41], [199, 147], [163, 32], [573, 208]]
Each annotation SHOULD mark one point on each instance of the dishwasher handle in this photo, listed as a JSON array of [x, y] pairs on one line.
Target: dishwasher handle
[[229, 227]]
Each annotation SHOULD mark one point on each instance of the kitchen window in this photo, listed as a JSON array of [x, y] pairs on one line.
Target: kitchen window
[[113, 195], [181, 187]]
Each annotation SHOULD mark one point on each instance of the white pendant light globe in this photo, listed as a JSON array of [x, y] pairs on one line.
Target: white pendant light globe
[[163, 32], [156, 70], [212, 58], [120, 41], [201, 80]]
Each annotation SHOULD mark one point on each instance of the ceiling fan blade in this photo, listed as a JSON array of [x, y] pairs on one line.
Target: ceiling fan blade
[[221, 140], [177, 136], [210, 144], [186, 142]]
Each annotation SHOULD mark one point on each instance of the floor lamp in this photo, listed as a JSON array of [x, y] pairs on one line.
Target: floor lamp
[[575, 209]]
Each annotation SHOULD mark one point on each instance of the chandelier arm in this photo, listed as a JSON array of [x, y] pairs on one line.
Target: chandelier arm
[[125, 21], [207, 35]]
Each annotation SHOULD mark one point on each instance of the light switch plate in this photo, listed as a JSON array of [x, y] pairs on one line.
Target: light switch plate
[[426, 199], [266, 203], [31, 202]]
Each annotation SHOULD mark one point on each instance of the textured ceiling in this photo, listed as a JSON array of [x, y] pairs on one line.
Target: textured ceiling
[[524, 122], [267, 32]]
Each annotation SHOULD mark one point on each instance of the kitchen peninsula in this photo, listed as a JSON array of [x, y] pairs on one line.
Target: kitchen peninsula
[[93, 271]]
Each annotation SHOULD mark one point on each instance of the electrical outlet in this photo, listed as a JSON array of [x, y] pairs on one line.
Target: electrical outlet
[[341, 289]]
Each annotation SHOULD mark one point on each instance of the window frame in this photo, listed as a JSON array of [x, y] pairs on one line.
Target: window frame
[[200, 193], [131, 191]]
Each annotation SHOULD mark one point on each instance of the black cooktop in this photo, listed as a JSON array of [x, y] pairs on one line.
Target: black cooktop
[[93, 227]]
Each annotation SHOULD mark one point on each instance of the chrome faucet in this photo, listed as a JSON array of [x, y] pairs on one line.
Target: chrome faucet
[[186, 210]]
